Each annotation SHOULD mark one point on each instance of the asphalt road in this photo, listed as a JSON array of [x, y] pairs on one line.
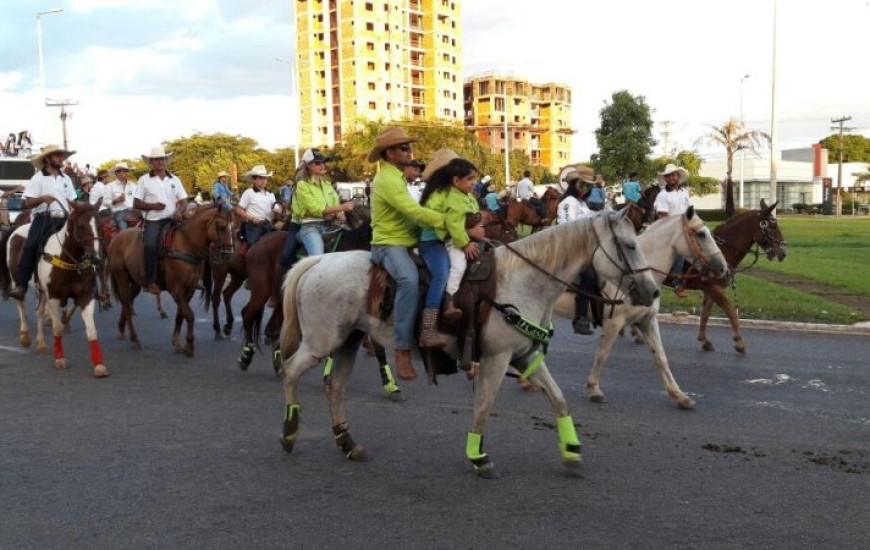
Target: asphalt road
[[171, 452]]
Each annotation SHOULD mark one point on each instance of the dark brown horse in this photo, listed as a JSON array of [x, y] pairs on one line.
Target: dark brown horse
[[179, 269], [497, 228], [65, 271], [735, 238], [220, 265]]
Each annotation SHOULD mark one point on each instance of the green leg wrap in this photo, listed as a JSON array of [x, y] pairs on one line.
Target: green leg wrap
[[327, 369], [569, 444], [246, 355], [387, 380], [474, 450], [277, 360], [290, 430]]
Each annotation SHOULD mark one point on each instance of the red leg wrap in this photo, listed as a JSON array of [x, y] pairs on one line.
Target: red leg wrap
[[58, 347], [96, 354]]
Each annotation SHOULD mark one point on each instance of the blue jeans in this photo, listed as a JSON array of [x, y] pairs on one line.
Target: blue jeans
[[398, 263], [151, 237], [120, 218], [311, 236], [291, 243], [42, 227], [677, 268], [253, 232], [438, 263]]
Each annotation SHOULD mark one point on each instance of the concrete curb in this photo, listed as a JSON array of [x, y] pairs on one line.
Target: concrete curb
[[861, 329]]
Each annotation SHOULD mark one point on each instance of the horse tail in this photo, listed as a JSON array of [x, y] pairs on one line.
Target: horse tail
[[5, 275], [207, 284], [291, 330]]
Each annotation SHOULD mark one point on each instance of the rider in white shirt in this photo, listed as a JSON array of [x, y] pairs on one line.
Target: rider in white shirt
[[120, 194], [673, 200], [572, 208], [256, 206]]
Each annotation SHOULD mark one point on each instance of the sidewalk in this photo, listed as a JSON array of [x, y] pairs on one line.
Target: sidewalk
[[862, 329]]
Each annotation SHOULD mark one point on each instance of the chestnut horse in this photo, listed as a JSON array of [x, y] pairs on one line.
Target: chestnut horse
[[519, 212], [66, 270], [497, 228], [179, 270], [735, 237]]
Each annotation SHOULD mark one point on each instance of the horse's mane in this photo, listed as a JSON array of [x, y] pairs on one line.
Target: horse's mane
[[552, 249], [734, 223]]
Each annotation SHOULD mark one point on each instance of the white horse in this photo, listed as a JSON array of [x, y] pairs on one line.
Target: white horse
[[66, 270], [687, 236], [325, 313]]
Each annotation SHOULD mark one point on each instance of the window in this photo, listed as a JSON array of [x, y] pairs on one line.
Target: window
[[372, 105], [370, 6], [371, 85], [370, 26], [370, 46], [370, 65]]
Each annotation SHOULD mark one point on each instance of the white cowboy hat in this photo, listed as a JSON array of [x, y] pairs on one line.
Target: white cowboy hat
[[671, 168], [258, 170], [391, 137], [156, 153], [38, 160], [440, 159], [485, 179], [582, 173], [223, 174], [119, 166]]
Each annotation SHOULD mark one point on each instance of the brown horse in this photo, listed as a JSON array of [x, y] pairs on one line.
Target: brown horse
[[179, 269], [66, 271], [520, 212], [221, 264], [735, 237], [497, 228]]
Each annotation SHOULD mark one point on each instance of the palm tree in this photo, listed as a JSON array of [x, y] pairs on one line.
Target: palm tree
[[862, 177], [734, 137]]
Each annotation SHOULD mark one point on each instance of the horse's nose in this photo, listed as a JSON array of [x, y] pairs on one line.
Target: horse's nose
[[656, 294]]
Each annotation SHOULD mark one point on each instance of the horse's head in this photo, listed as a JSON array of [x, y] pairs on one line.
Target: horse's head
[[82, 227], [618, 257], [359, 216], [220, 228], [768, 236], [700, 246]]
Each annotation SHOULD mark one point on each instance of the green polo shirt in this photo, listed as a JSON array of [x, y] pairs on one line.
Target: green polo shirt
[[395, 214]]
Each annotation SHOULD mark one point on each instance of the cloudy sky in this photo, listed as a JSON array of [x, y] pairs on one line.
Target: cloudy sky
[[144, 72]]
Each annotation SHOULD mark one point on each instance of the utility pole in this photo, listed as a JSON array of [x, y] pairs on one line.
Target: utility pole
[[63, 104], [840, 121], [666, 133]]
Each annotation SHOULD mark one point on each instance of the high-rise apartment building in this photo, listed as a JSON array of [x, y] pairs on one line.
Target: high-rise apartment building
[[538, 117], [376, 59]]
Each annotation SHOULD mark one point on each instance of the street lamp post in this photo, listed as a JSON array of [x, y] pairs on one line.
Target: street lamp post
[[295, 93], [507, 151], [39, 45], [742, 151]]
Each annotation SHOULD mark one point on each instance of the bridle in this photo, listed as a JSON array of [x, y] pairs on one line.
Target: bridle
[[89, 257]]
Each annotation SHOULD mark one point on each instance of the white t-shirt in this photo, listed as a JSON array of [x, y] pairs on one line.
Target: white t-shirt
[[674, 203], [98, 191], [167, 191], [525, 189], [571, 209], [60, 187], [415, 191], [117, 189], [258, 204]]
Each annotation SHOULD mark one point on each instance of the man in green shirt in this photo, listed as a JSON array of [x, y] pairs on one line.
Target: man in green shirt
[[395, 216]]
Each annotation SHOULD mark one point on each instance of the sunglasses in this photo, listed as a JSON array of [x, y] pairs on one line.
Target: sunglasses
[[405, 148], [317, 162]]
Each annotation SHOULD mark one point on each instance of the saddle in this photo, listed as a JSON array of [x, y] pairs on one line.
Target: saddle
[[474, 298]]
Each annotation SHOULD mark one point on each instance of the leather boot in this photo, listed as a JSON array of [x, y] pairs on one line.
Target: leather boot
[[429, 335], [404, 366], [451, 313], [275, 298]]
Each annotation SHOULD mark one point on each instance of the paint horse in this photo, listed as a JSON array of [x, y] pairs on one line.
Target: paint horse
[[179, 268], [66, 271], [325, 312], [686, 235]]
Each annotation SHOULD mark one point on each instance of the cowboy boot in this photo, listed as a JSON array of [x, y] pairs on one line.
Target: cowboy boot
[[275, 298], [580, 322], [429, 335], [451, 312], [404, 366]]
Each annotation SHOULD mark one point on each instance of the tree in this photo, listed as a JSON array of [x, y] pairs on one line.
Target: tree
[[862, 178], [734, 137], [698, 185], [624, 138], [197, 159], [856, 148]]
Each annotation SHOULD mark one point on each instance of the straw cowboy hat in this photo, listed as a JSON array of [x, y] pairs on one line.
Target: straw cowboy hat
[[671, 168], [38, 160], [222, 174], [582, 173], [86, 179], [440, 159], [156, 153], [117, 167], [258, 170], [390, 137]]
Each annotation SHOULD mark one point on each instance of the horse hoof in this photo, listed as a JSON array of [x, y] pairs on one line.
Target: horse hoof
[[358, 454], [686, 403], [42, 350], [187, 351], [597, 399], [100, 371], [164, 315], [120, 336], [574, 468], [396, 396], [136, 346], [487, 471], [228, 330], [60, 364], [25, 341], [740, 349], [288, 443], [708, 347]]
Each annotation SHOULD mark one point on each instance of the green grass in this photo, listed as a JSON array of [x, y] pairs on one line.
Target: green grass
[[760, 299], [831, 251]]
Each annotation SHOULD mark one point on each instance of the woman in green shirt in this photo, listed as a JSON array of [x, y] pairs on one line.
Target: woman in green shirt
[[315, 201]]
